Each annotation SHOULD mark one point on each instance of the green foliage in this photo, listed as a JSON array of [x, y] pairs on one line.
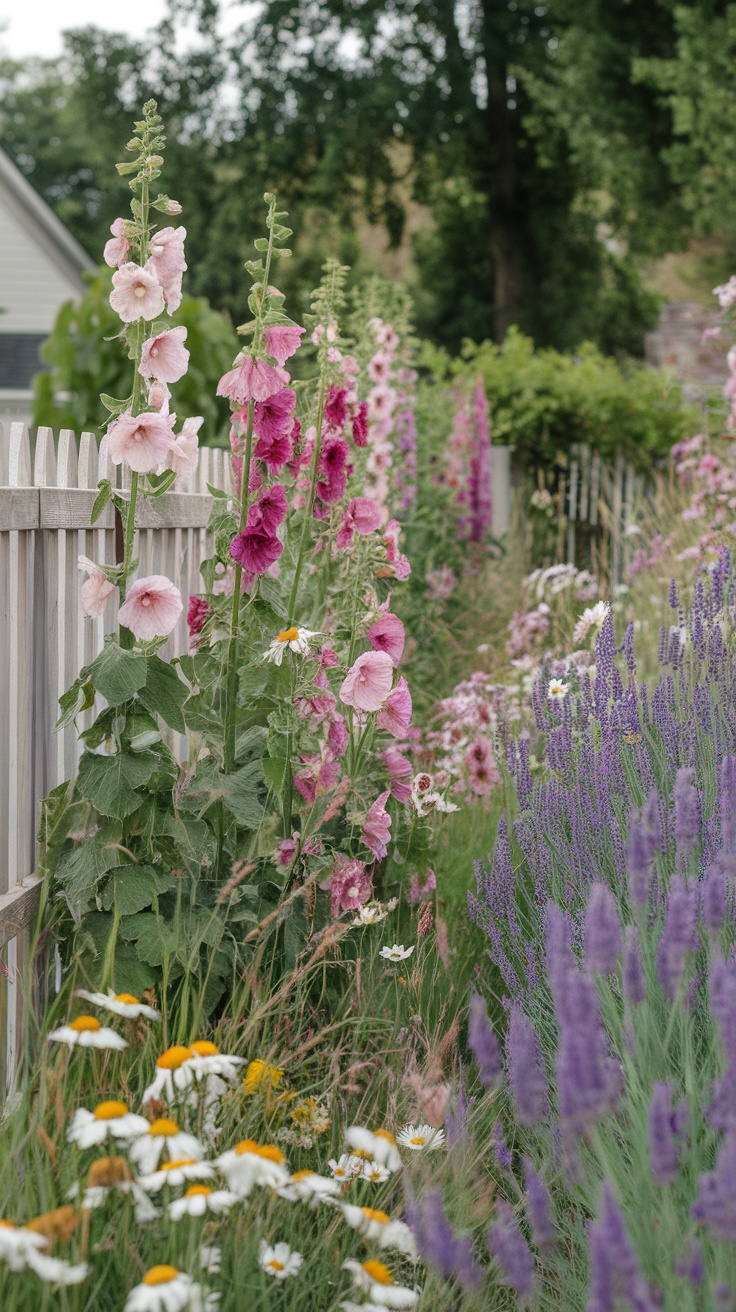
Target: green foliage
[[84, 353]]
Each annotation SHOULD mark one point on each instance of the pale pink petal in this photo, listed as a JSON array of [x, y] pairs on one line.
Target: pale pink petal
[[141, 441], [151, 608], [368, 683], [137, 293], [165, 357]]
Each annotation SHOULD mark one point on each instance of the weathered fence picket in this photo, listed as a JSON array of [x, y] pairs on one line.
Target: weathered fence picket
[[596, 506], [45, 639]]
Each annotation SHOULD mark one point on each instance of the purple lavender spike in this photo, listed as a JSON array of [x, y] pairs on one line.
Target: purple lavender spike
[[662, 1136], [687, 810], [525, 1069], [603, 937], [614, 1271], [483, 1042], [714, 897], [728, 805], [510, 1249], [634, 980], [538, 1207], [715, 1206], [680, 936]]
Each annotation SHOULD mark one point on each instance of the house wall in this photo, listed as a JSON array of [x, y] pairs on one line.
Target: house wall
[[32, 288]]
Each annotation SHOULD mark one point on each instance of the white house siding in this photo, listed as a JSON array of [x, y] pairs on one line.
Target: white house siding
[[32, 288]]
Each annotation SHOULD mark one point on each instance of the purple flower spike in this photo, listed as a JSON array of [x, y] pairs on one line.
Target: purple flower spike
[[680, 935], [525, 1069], [662, 1136], [510, 1249], [483, 1042], [538, 1207], [603, 938], [687, 811], [635, 984], [728, 805], [450, 1254], [716, 1203], [614, 1270], [714, 897]]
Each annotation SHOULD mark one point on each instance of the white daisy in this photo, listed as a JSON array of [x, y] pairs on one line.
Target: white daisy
[[122, 1004], [279, 1261], [375, 1279], [370, 914], [163, 1136], [86, 1032], [164, 1289], [16, 1243], [418, 1137], [179, 1171], [199, 1199], [374, 1172], [55, 1271], [249, 1164], [96, 1195], [346, 1167], [173, 1073], [208, 1060], [557, 690], [295, 639], [374, 1146], [210, 1259], [308, 1186], [108, 1118], [397, 953], [378, 1226]]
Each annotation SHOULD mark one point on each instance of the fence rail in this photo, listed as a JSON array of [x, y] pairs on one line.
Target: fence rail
[[46, 497], [596, 504]]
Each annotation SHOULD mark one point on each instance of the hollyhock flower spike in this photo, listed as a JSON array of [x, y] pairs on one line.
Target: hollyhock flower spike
[[367, 683], [165, 357], [136, 293], [142, 442], [152, 608]]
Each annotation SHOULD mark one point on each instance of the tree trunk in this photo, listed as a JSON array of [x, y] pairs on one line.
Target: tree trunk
[[506, 210]]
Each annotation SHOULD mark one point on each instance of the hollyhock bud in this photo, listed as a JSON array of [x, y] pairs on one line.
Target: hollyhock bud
[[173, 208], [96, 590]]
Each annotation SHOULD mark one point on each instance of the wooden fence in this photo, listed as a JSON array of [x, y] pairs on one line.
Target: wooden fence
[[46, 496], [596, 502]]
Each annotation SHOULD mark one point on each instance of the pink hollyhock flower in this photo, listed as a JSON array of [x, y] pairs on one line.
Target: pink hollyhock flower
[[159, 397], [350, 885], [366, 515], [388, 635], [151, 608], [368, 683], [167, 254], [252, 380], [197, 612], [395, 717], [379, 367], [484, 774], [377, 827], [256, 550], [417, 891], [400, 769], [183, 455], [136, 292], [336, 411], [116, 251], [273, 417], [269, 510], [96, 590], [306, 786], [328, 776], [287, 849], [360, 425], [274, 451], [165, 357], [142, 441], [337, 736], [332, 467], [328, 658], [282, 341]]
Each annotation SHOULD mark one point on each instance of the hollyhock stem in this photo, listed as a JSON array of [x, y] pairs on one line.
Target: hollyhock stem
[[231, 686]]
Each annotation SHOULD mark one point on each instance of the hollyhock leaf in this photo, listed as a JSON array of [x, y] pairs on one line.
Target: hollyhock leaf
[[117, 674], [272, 592], [69, 699], [153, 937], [100, 501], [109, 782], [165, 693], [240, 795], [274, 769], [132, 888], [81, 870]]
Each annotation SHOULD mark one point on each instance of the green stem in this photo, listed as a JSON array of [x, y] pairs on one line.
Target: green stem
[[231, 657]]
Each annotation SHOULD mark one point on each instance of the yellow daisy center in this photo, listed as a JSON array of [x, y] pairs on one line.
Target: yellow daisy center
[[385, 1134], [160, 1275], [128, 999], [174, 1166], [196, 1189], [298, 1176], [372, 1214], [378, 1272], [84, 1023], [363, 1154], [110, 1111], [173, 1058], [269, 1150], [204, 1048], [7, 1225], [288, 635], [275, 1265], [418, 1139], [163, 1128]]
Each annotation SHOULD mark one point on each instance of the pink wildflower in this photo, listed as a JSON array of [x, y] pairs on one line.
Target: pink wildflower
[[328, 658], [197, 612], [287, 849], [151, 608], [141, 441], [336, 411], [273, 417], [137, 293], [350, 885], [183, 455], [165, 357], [159, 397], [256, 550], [252, 380], [366, 515], [96, 589], [116, 251], [360, 425], [395, 717], [387, 634], [269, 511], [368, 683], [419, 892], [400, 768], [274, 450], [332, 466], [167, 255], [484, 773], [282, 341], [377, 827]]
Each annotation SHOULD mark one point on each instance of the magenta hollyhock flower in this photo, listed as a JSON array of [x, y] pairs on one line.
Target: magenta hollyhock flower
[[151, 608], [333, 469], [388, 635], [306, 786], [269, 510], [336, 411], [183, 455], [273, 417], [367, 683], [136, 292], [337, 736], [165, 357], [116, 251], [96, 590], [360, 425], [256, 550], [197, 612], [377, 827], [275, 450], [395, 717], [282, 341], [141, 441], [167, 256], [287, 849], [350, 885], [328, 658], [252, 380]]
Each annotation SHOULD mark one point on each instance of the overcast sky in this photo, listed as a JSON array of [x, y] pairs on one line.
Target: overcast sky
[[34, 27]]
